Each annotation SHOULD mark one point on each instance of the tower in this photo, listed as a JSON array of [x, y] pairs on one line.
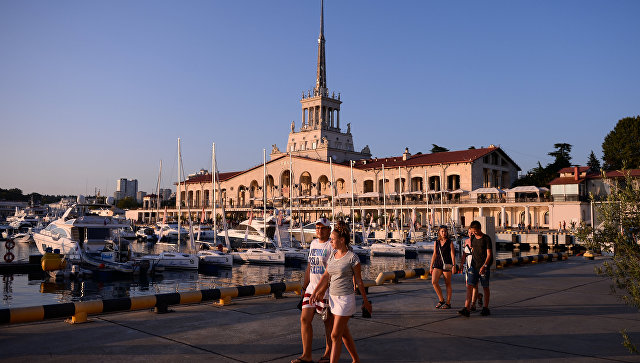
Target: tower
[[320, 135]]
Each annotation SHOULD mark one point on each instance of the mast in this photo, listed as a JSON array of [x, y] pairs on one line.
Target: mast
[[384, 200], [353, 217], [290, 201], [179, 191], [264, 196], [426, 194], [400, 195], [333, 217], [213, 192], [158, 193]]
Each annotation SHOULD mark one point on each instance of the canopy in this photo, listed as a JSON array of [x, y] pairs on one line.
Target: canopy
[[527, 189], [458, 191], [369, 195], [345, 196], [487, 191]]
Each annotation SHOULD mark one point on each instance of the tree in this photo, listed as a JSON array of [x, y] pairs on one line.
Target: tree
[[542, 176], [438, 149], [562, 155], [127, 203], [593, 163], [621, 147], [618, 233]]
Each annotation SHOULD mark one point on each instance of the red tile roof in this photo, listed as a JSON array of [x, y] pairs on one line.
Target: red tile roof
[[448, 157], [206, 178], [588, 175]]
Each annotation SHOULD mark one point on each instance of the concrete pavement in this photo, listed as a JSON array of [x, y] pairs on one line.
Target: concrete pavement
[[557, 311]]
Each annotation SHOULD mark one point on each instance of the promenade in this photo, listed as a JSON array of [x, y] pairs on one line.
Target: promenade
[[558, 311]]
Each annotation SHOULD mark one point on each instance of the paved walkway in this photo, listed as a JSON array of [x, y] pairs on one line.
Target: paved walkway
[[557, 311]]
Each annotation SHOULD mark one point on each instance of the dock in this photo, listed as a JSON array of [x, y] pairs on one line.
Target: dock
[[557, 311]]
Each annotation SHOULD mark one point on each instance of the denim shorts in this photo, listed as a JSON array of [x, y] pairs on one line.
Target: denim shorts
[[473, 276]]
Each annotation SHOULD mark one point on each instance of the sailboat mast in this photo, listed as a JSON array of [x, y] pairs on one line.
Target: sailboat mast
[[178, 196], [426, 195], [384, 201], [264, 195], [158, 193], [353, 217], [290, 201], [213, 192], [333, 217], [400, 195]]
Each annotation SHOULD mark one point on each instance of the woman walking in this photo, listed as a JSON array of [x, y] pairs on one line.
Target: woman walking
[[442, 265], [343, 268]]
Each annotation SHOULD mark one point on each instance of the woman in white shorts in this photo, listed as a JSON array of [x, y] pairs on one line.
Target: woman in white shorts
[[343, 268]]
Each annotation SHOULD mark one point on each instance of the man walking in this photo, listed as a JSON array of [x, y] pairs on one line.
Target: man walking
[[482, 258], [319, 253]]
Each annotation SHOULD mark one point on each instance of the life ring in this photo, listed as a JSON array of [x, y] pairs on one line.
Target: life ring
[[9, 257], [10, 244]]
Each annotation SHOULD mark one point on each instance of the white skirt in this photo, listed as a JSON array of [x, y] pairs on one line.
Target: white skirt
[[342, 305]]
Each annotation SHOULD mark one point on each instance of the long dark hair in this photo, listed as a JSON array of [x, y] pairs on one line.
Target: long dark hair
[[446, 229]]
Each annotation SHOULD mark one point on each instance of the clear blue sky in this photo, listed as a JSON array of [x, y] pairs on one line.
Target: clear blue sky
[[91, 91]]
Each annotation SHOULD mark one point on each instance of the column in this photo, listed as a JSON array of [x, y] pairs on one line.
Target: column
[[502, 217], [457, 215], [338, 123], [527, 220], [480, 211]]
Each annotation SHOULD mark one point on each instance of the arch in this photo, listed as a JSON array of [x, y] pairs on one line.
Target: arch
[[242, 195], [382, 185], [285, 178], [341, 186], [416, 184], [253, 189], [453, 182], [305, 183], [190, 198], [397, 186], [271, 187], [197, 202], [545, 218], [434, 183], [322, 185], [367, 187]]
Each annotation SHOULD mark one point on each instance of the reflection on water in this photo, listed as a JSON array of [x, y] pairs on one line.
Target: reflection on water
[[37, 289]]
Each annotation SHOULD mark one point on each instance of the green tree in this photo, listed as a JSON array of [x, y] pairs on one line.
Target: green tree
[[562, 155], [438, 149], [618, 232], [127, 203], [593, 163], [621, 147], [542, 176]]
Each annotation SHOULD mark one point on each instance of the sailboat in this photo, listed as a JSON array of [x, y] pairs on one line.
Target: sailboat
[[207, 254], [176, 260], [386, 248], [252, 253]]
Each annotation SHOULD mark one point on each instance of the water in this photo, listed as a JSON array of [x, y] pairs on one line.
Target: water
[[37, 289]]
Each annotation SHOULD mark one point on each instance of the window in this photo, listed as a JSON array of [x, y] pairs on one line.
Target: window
[[314, 145]]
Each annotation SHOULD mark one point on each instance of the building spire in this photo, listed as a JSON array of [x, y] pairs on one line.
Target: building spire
[[321, 77]]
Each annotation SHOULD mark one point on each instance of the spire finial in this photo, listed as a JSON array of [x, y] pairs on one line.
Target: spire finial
[[321, 77]]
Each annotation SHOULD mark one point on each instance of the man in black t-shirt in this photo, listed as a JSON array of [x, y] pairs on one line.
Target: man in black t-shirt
[[482, 258]]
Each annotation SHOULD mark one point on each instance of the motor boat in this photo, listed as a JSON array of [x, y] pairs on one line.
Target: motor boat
[[169, 232], [146, 234], [171, 260], [393, 249], [210, 253], [83, 237]]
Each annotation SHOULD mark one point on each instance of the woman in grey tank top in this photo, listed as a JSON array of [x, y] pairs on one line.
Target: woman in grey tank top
[[343, 269]]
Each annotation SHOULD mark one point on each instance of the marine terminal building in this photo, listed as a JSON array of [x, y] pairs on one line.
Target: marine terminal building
[[444, 187]]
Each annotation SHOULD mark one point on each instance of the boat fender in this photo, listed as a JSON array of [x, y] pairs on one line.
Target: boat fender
[[9, 257]]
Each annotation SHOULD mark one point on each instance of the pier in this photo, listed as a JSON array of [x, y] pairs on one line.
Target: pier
[[557, 311]]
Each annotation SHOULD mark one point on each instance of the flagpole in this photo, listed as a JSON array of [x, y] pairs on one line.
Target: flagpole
[[400, 195], [290, 201], [213, 192], [264, 195]]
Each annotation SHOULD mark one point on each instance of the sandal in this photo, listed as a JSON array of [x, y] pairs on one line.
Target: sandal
[[325, 360], [440, 305], [300, 360], [446, 306]]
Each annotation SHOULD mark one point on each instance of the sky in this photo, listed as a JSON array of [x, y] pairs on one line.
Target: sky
[[93, 91]]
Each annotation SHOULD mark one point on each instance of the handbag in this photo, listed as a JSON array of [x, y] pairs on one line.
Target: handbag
[[445, 266]]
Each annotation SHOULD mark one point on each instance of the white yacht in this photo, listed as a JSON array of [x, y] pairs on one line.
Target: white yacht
[[87, 238], [209, 254], [257, 240], [171, 260], [169, 232], [393, 249]]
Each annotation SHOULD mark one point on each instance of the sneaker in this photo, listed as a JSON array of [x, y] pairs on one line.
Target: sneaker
[[485, 311], [464, 312], [473, 308]]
